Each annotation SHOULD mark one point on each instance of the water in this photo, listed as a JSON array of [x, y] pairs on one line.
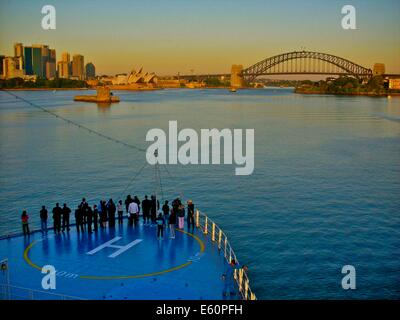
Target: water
[[324, 192]]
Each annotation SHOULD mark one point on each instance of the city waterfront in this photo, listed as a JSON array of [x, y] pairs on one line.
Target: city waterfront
[[324, 192]]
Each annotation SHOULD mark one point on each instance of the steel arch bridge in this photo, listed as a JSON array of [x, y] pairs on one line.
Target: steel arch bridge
[[305, 62]]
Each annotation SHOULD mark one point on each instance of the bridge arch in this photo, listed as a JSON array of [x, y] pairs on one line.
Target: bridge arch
[[314, 63]]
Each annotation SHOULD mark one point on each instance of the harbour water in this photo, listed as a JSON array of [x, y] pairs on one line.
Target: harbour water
[[325, 191]]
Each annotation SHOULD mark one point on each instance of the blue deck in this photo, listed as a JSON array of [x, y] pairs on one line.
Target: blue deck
[[188, 267]]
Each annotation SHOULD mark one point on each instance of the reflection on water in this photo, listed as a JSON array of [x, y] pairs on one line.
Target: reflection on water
[[325, 191]]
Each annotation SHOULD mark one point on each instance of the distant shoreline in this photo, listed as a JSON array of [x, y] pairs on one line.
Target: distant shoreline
[[365, 94], [42, 89]]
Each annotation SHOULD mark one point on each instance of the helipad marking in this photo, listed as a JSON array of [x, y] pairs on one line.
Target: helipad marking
[[201, 243], [109, 244]]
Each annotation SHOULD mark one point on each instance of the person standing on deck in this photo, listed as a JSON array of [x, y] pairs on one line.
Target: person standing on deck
[[95, 218], [120, 211], [111, 212], [160, 226], [89, 218], [172, 222], [84, 206], [133, 211], [137, 201], [155, 206], [165, 209], [65, 217], [43, 219], [57, 212], [25, 223], [78, 219], [128, 201], [190, 215], [146, 206], [181, 216], [103, 218], [229, 280]]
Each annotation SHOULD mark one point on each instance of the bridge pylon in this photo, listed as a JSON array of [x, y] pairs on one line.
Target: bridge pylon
[[237, 80]]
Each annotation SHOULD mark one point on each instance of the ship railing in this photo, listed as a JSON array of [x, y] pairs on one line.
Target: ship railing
[[218, 237], [11, 292]]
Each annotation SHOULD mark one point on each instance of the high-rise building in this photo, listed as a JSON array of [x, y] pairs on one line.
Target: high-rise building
[[65, 57], [11, 67], [1, 65], [51, 65], [90, 71], [78, 70], [37, 61], [18, 50], [63, 66], [28, 62]]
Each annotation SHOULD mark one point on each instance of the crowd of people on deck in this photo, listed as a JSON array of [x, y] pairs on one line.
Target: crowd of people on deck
[[91, 218]]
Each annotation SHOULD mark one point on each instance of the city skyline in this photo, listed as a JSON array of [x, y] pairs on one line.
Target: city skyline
[[206, 37]]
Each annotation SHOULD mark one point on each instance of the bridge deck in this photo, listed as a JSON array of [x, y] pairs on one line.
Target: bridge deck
[[188, 267]]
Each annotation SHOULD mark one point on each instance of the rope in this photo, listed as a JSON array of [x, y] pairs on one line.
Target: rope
[[172, 177], [131, 181], [76, 124]]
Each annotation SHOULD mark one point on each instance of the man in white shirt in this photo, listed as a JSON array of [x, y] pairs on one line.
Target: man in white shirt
[[133, 211]]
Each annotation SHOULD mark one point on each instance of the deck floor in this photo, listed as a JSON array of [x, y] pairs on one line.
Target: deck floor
[[187, 267]]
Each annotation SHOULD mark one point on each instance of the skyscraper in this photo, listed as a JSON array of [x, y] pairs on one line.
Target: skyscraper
[[90, 71], [28, 62], [63, 66], [37, 61], [18, 50], [78, 70], [51, 65], [12, 67]]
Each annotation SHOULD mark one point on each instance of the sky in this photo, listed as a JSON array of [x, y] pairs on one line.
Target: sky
[[208, 36]]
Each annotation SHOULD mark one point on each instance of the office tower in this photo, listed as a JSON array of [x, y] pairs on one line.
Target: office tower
[[37, 61], [18, 50], [1, 65], [78, 70], [63, 66], [11, 67], [28, 62], [90, 71], [65, 57], [51, 65]]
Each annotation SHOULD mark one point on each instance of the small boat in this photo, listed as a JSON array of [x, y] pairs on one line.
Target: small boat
[[232, 90]]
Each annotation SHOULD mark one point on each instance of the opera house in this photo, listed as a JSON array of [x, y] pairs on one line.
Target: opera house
[[133, 78]]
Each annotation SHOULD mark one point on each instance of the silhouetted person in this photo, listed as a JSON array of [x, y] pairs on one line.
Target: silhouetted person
[[95, 218], [103, 218], [84, 206], [65, 217], [25, 222], [160, 226], [155, 205], [111, 212], [43, 219], [165, 209], [78, 219], [137, 201], [128, 201], [172, 222], [146, 206], [89, 219], [190, 214], [57, 213], [120, 211]]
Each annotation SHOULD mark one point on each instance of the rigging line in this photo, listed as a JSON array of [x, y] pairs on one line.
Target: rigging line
[[80, 126], [172, 177], [159, 181], [134, 177]]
